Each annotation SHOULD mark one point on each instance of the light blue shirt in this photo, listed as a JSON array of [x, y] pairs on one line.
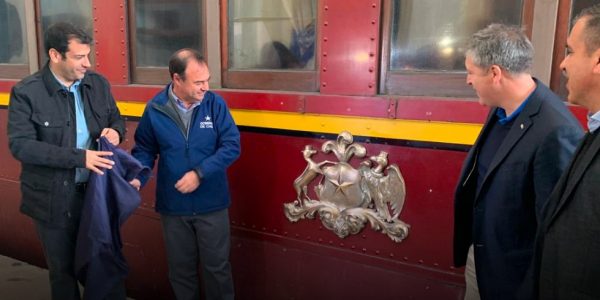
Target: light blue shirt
[[594, 121], [180, 103], [83, 134]]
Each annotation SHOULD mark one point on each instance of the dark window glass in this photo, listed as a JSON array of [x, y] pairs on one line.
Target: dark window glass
[[163, 27], [558, 81], [430, 35], [13, 48], [76, 12], [578, 5]]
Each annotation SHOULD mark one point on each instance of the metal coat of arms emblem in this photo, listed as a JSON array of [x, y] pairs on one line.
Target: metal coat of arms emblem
[[348, 198]]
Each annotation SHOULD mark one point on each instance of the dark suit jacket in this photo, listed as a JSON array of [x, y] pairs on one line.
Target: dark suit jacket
[[568, 253], [501, 219]]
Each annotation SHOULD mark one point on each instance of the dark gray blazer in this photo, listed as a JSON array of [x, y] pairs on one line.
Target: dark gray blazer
[[568, 243]]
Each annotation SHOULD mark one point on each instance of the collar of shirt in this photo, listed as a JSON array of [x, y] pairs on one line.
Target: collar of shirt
[[180, 103], [503, 118], [72, 88], [593, 121]]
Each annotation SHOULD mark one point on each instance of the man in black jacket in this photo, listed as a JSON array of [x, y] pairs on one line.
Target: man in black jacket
[[55, 117], [568, 244]]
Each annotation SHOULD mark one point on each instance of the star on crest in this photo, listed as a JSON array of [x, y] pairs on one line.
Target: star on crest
[[340, 184]]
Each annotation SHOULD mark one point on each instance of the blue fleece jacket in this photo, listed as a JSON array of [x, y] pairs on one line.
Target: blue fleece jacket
[[208, 146]]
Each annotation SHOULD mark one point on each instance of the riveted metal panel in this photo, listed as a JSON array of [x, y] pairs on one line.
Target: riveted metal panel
[[17, 233], [110, 37], [6, 85], [418, 259], [265, 101], [349, 46], [10, 168], [378, 107]]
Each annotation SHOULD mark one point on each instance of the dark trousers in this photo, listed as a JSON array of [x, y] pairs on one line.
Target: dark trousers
[[59, 250], [58, 243], [191, 239]]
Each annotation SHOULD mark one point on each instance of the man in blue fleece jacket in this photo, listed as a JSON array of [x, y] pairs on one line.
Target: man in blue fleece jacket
[[193, 133]]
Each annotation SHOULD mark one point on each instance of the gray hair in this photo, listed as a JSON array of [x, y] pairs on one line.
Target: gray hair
[[502, 45], [591, 33]]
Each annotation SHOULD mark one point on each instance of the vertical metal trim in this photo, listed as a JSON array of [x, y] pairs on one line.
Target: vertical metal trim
[[213, 41], [545, 14], [30, 36], [111, 40], [360, 65]]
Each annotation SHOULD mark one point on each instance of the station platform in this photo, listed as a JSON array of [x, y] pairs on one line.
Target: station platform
[[22, 281]]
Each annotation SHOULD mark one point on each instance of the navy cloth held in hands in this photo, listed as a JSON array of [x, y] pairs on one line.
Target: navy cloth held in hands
[[109, 201]]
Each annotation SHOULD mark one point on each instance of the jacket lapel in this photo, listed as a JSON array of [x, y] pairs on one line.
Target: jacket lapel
[[577, 172], [520, 126], [470, 161]]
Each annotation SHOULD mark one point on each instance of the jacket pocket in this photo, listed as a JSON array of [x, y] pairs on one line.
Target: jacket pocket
[[101, 111], [50, 128], [36, 192]]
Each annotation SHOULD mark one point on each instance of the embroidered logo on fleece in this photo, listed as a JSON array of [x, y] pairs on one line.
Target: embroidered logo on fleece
[[207, 123]]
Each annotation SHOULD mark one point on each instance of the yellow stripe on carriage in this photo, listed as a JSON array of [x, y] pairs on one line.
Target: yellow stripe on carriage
[[411, 130]]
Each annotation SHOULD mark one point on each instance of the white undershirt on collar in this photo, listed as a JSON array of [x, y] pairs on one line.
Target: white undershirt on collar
[[593, 121]]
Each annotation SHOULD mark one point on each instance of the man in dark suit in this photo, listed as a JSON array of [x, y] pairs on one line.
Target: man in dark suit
[[526, 143], [568, 244]]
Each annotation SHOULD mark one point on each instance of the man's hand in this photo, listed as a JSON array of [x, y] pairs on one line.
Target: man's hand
[[111, 135], [94, 160], [188, 183], [136, 184]]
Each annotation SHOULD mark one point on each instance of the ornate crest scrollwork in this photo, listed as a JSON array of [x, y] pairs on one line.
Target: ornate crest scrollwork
[[348, 198]]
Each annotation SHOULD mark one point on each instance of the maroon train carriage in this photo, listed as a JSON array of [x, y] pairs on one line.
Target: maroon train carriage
[[354, 117]]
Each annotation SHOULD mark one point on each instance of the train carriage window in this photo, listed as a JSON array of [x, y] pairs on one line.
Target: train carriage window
[[159, 28], [14, 61], [267, 39], [76, 12], [425, 40]]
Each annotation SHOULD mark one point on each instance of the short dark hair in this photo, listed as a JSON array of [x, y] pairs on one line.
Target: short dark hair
[[591, 33], [58, 35], [179, 61]]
